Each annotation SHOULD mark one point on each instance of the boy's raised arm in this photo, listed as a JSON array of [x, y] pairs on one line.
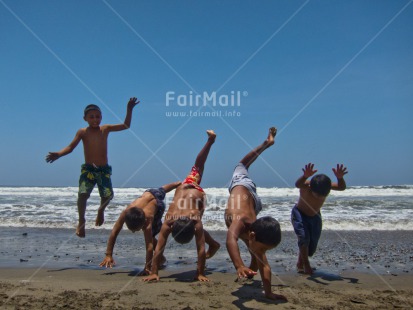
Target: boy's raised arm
[[53, 156], [200, 246], [108, 261], [128, 118], [234, 231], [171, 186], [339, 172], [308, 171]]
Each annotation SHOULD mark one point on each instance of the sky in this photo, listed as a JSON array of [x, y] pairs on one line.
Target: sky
[[335, 78]]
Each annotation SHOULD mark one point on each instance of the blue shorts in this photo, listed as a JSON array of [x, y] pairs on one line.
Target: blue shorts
[[240, 178], [159, 194], [307, 228]]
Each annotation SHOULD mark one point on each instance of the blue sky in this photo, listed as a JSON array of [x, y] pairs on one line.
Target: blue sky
[[335, 77]]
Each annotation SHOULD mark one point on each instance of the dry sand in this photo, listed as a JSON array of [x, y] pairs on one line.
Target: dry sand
[[120, 289]]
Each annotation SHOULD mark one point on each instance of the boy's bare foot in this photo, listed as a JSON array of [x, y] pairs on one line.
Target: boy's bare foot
[[300, 265], [271, 134], [308, 269], [80, 230], [212, 249], [211, 135], [100, 218]]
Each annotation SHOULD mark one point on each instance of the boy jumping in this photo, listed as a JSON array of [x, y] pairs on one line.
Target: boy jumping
[[95, 170]]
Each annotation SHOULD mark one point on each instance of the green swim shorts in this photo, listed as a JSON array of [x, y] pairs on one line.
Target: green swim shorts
[[92, 175]]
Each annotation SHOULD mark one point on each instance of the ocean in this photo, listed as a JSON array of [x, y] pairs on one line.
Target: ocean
[[357, 208]]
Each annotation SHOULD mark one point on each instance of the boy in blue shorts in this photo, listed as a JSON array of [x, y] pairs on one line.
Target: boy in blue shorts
[[306, 217], [96, 169], [144, 213]]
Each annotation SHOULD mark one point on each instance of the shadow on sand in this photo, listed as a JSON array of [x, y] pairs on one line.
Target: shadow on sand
[[323, 278], [253, 289]]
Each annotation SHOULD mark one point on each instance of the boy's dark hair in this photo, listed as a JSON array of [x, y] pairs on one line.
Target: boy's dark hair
[[134, 218], [183, 230], [91, 107], [267, 230], [321, 185]]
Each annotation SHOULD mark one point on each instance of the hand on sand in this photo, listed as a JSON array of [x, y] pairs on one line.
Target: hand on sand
[[152, 277], [340, 171], [273, 296], [244, 272], [309, 170], [107, 262], [201, 278]]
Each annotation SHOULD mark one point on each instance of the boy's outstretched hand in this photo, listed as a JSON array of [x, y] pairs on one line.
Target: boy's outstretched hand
[[51, 157], [201, 278], [244, 272], [108, 262], [132, 102], [340, 171], [309, 170]]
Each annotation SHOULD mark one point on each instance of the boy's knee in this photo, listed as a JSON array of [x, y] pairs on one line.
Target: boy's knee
[[303, 242], [83, 196], [108, 198], [311, 249]]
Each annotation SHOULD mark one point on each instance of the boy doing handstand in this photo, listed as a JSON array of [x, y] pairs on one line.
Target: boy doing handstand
[[184, 217], [305, 215], [143, 213], [259, 235], [95, 170]]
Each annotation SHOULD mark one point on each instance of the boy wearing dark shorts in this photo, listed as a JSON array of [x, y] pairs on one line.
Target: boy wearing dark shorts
[[145, 213], [306, 216]]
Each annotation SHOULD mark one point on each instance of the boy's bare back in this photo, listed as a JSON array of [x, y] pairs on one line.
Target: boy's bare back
[[240, 208], [188, 202], [308, 203]]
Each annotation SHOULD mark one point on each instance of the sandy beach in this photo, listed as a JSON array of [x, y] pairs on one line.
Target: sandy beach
[[48, 268], [122, 289]]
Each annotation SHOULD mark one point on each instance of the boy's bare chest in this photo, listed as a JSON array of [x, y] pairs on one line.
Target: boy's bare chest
[[95, 138]]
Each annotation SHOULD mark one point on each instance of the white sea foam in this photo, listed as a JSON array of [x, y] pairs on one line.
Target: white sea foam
[[357, 208]]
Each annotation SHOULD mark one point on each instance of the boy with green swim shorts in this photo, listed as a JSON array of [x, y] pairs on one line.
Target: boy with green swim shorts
[[96, 169]]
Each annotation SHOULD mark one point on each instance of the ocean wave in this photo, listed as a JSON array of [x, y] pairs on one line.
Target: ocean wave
[[357, 208]]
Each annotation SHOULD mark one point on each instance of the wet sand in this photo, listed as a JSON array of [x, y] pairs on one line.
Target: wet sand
[[51, 268]]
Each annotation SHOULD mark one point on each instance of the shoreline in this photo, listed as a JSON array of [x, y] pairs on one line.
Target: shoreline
[[372, 252], [355, 270]]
